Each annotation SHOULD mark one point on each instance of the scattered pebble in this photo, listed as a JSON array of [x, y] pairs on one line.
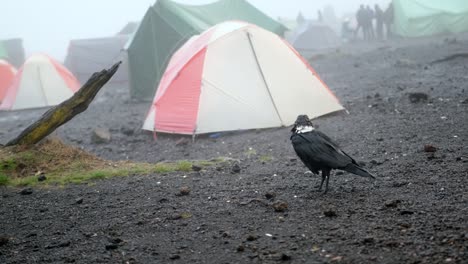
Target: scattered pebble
[[330, 213], [41, 177], [3, 240], [79, 201], [406, 212], [429, 148], [368, 240], [252, 237], [184, 191], [174, 257], [240, 248], [26, 191], [392, 203], [236, 168], [280, 206], [196, 167], [270, 195], [417, 97]]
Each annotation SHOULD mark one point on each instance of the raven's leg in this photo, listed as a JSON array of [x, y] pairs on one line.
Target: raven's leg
[[328, 178], [323, 179]]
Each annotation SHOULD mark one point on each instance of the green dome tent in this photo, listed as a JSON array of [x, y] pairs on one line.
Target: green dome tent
[[417, 18], [167, 25]]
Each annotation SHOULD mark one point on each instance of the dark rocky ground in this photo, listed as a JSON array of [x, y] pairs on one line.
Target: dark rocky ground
[[416, 212]]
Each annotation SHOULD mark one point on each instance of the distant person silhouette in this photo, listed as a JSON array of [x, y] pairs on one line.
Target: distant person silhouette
[[379, 18], [388, 20], [361, 19]]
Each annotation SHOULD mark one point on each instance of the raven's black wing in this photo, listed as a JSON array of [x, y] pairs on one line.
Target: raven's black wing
[[336, 146], [317, 149]]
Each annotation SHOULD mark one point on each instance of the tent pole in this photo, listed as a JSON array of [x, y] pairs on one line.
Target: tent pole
[[263, 77]]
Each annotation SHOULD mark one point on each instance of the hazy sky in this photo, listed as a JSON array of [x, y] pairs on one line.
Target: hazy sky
[[48, 25]]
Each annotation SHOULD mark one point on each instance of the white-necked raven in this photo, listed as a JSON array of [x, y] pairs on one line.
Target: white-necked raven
[[319, 153]]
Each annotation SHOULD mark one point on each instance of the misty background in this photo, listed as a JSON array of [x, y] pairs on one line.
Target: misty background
[[48, 25]]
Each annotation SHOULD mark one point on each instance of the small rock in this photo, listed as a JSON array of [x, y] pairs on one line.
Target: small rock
[[392, 203], [399, 184], [100, 135], [3, 240], [236, 168], [196, 167], [339, 173], [41, 177], [406, 212], [380, 139], [182, 142], [368, 240], [127, 131], [270, 195], [429, 148], [465, 101], [418, 97], [26, 191], [375, 162], [184, 191], [252, 237], [174, 257], [285, 257], [280, 206], [79, 201], [240, 248], [330, 213], [111, 246]]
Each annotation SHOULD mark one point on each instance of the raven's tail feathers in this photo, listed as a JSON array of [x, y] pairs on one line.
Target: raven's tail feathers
[[355, 169]]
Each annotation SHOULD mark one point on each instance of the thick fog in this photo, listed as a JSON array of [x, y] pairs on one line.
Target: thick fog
[[48, 25]]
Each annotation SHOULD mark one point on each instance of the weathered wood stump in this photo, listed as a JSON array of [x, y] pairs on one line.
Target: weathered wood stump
[[65, 111]]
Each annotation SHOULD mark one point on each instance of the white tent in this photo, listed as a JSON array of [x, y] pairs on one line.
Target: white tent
[[40, 82], [310, 37], [236, 76]]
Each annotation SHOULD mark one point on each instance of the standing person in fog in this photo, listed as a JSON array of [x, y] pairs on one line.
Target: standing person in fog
[[361, 18], [379, 18], [369, 25], [388, 20]]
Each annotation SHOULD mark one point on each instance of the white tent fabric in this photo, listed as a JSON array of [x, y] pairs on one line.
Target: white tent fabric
[[236, 76], [40, 82]]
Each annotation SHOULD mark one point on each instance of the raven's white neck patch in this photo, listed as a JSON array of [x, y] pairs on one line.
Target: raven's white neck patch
[[304, 129]]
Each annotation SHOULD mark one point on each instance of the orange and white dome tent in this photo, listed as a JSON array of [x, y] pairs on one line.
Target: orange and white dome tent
[[7, 74], [236, 76], [40, 82]]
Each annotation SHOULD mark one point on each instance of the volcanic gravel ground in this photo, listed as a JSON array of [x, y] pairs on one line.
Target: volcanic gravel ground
[[269, 211]]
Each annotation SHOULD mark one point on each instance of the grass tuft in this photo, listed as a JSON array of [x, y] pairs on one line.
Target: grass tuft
[[3, 179], [63, 165]]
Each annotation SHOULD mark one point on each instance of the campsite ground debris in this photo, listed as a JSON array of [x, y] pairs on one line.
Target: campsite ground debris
[[26, 191], [79, 200], [182, 142], [100, 135], [196, 167], [184, 191], [418, 97], [4, 240], [429, 148], [280, 206], [270, 195], [329, 213], [41, 177], [236, 168]]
